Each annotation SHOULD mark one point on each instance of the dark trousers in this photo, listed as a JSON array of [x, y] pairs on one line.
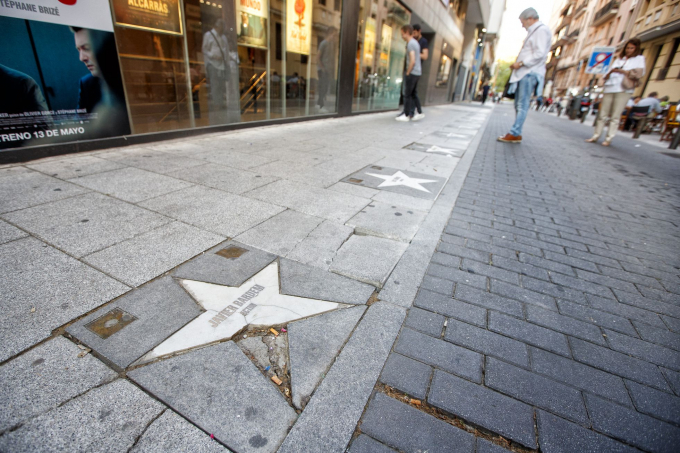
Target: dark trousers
[[419, 108], [410, 85]]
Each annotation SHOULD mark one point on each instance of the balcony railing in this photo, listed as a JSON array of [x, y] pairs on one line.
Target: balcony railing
[[608, 11], [580, 9], [574, 34], [657, 16]]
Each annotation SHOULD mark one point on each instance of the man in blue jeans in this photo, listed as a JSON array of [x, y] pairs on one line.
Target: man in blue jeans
[[528, 72]]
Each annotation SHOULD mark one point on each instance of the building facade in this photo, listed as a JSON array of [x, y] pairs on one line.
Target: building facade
[[89, 74], [582, 25]]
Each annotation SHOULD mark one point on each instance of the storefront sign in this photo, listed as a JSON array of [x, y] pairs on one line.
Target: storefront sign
[[61, 79], [251, 22], [299, 26], [162, 16]]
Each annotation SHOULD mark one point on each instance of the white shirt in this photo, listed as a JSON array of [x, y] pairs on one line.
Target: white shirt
[[534, 52], [211, 49], [613, 84]]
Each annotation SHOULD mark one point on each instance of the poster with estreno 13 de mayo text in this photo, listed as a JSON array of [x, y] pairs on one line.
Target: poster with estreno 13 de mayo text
[[299, 26], [60, 79]]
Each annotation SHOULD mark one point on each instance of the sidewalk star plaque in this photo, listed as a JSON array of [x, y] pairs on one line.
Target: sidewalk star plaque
[[400, 179], [257, 302]]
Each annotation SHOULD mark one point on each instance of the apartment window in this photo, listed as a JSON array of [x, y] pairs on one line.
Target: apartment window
[[336, 5], [322, 2], [657, 15], [649, 19], [663, 72]]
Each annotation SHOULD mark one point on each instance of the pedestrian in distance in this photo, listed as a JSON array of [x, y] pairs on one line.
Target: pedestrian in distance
[[424, 55], [485, 92], [620, 82], [412, 74], [528, 72]]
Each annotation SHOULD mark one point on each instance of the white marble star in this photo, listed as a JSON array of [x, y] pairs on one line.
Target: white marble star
[[400, 179], [258, 302]]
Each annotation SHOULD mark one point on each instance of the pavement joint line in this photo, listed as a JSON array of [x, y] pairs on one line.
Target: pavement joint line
[[448, 195]]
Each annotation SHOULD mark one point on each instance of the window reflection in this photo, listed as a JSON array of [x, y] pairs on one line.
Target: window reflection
[[380, 55]]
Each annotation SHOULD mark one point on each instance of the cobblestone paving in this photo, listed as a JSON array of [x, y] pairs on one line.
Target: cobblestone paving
[[549, 317]]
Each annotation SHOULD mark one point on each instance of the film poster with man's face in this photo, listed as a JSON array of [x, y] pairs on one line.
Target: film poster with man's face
[[60, 78]]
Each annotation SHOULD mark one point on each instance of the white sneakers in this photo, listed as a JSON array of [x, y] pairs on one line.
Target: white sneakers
[[416, 117]]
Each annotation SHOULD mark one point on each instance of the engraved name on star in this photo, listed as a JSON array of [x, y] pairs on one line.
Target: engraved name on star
[[258, 302], [400, 179]]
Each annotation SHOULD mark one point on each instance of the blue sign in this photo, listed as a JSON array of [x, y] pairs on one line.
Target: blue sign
[[600, 60]]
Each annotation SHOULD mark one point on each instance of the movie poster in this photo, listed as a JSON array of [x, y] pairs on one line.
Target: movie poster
[[299, 26], [60, 80], [251, 23]]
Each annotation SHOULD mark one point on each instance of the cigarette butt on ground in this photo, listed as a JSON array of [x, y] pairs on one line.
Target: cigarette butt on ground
[[274, 331], [276, 380]]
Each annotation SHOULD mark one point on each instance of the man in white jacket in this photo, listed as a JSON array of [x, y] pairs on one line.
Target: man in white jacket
[[528, 72]]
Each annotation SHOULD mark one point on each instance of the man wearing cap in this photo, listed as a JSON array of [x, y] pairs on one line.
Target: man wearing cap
[[528, 72]]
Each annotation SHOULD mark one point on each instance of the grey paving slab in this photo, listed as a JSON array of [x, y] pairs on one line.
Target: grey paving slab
[[150, 254], [25, 189], [368, 259], [330, 418], [281, 233], [306, 281], [395, 180], [365, 444], [487, 342], [632, 427], [45, 377], [440, 354], [86, 223], [131, 184], [405, 201], [319, 247], [556, 435], [644, 350], [241, 158], [328, 204], [455, 150], [229, 398], [620, 364], [485, 446], [425, 321], [653, 402], [47, 288], [529, 333], [159, 308], [148, 159], [223, 178], [213, 267], [535, 390], [170, 433], [74, 167], [353, 189], [484, 407], [313, 344], [579, 375], [10, 233], [447, 306], [213, 210], [387, 221], [407, 375], [386, 418], [117, 413], [565, 324]]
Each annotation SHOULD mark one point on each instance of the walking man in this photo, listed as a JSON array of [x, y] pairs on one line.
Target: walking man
[[424, 54], [528, 72], [413, 72]]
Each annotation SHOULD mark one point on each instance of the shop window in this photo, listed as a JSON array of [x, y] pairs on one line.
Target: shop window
[[381, 53], [446, 65]]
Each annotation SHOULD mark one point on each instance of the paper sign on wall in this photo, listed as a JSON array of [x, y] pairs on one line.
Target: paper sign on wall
[[299, 26], [94, 14], [162, 16], [251, 23]]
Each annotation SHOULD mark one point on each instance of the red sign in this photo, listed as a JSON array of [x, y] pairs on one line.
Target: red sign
[[68, 2]]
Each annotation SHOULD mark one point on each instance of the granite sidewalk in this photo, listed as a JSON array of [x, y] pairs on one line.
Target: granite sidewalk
[[549, 317], [234, 291]]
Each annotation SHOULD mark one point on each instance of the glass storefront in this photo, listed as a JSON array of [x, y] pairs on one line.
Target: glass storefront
[[239, 60], [381, 54]]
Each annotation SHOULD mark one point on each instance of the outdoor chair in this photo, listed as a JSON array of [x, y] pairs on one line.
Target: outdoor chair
[[670, 123]]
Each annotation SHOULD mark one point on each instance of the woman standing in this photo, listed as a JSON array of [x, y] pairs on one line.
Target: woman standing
[[618, 86]]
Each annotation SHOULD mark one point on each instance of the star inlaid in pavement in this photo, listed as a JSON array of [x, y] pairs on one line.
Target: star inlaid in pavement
[[400, 179]]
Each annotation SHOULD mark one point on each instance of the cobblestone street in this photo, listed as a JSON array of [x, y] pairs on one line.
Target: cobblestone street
[[550, 312]]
